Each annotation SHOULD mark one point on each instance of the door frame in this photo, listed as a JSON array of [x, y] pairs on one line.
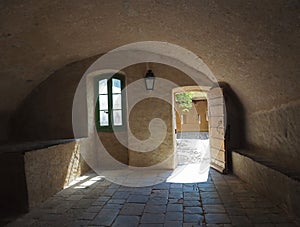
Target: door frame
[[214, 159], [174, 129]]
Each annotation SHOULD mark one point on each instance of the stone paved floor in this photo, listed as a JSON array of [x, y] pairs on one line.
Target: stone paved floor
[[221, 201]]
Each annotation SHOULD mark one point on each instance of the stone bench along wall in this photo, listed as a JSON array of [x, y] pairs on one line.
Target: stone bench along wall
[[48, 170], [278, 187], [32, 176]]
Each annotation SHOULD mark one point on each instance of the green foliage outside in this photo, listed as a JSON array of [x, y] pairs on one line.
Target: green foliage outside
[[184, 100]]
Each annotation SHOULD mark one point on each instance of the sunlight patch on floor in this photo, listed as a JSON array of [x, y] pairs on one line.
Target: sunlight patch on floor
[[193, 161], [76, 181], [90, 182], [189, 173]]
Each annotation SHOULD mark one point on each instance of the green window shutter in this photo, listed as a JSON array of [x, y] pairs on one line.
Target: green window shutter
[[115, 98]]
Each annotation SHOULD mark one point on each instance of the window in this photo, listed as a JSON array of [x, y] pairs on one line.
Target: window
[[110, 103]]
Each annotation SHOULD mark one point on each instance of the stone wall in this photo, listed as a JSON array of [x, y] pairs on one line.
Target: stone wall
[[253, 46], [150, 108], [274, 134], [139, 120], [116, 149], [46, 114]]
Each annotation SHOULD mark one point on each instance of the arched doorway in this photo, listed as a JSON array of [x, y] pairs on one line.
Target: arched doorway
[[199, 128]]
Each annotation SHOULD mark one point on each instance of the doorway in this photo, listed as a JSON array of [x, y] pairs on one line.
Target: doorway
[[191, 135], [191, 127], [199, 127]]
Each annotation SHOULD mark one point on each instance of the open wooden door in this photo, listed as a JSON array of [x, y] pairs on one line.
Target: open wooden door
[[216, 116]]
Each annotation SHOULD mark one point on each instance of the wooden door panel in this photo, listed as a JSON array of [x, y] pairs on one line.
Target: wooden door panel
[[217, 133], [218, 154], [217, 143], [216, 101], [178, 122], [215, 122], [218, 165], [216, 109], [215, 92]]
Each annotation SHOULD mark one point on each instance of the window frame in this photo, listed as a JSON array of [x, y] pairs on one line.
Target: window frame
[[110, 127]]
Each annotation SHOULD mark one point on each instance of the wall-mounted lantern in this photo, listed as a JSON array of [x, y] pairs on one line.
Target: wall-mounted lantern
[[149, 80]]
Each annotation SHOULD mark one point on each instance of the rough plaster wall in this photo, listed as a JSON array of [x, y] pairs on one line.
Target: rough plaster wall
[[114, 147], [49, 170], [139, 120], [247, 44], [46, 113], [253, 46], [150, 108], [275, 133]]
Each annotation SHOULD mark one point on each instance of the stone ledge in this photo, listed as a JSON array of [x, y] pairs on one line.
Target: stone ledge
[[31, 146], [278, 187], [285, 170]]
